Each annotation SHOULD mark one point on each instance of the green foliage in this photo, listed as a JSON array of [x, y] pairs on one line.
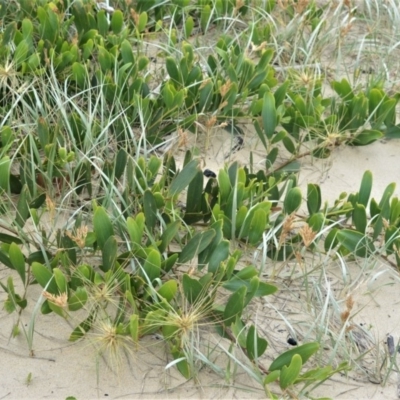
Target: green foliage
[[93, 129]]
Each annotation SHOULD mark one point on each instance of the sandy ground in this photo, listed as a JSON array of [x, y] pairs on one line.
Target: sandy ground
[[60, 369]]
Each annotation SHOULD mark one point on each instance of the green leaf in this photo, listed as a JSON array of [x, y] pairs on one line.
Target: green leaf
[[317, 221], [241, 214], [7, 136], [102, 23], [168, 289], [321, 374], [305, 351], [49, 24], [61, 281], [281, 135], [264, 289], [366, 137], [331, 240], [134, 327], [45, 278], [9, 33], [394, 211], [225, 186], [173, 71], [246, 273], [193, 212], [18, 260], [143, 18], [291, 168], [154, 165], [382, 210], [153, 321], [82, 328], [43, 132], [109, 254], [196, 245], [393, 132], [255, 345], [265, 59], [313, 198], [234, 306], [134, 229], [289, 145], [290, 373], [152, 265], [167, 264], [5, 168], [343, 89], [120, 163], [375, 100], [168, 95], [272, 377], [365, 188], [206, 254], [183, 178], [358, 106], [37, 202], [150, 209], [387, 194], [21, 53], [102, 226], [269, 115], [33, 61], [292, 200], [301, 106], [205, 17], [261, 135], [360, 218], [189, 25], [78, 299], [205, 97], [255, 79], [387, 112], [117, 21], [13, 300], [355, 242], [206, 279], [127, 53], [238, 329], [169, 234], [87, 49], [257, 226], [105, 59], [271, 157], [179, 99], [182, 365], [220, 254], [192, 289], [251, 290], [5, 238], [45, 308], [280, 93]]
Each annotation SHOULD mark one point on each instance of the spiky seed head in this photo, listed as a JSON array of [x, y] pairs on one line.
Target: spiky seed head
[[307, 234], [60, 300], [80, 237], [286, 227]]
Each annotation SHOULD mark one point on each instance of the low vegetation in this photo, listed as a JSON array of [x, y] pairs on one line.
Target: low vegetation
[[99, 208]]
